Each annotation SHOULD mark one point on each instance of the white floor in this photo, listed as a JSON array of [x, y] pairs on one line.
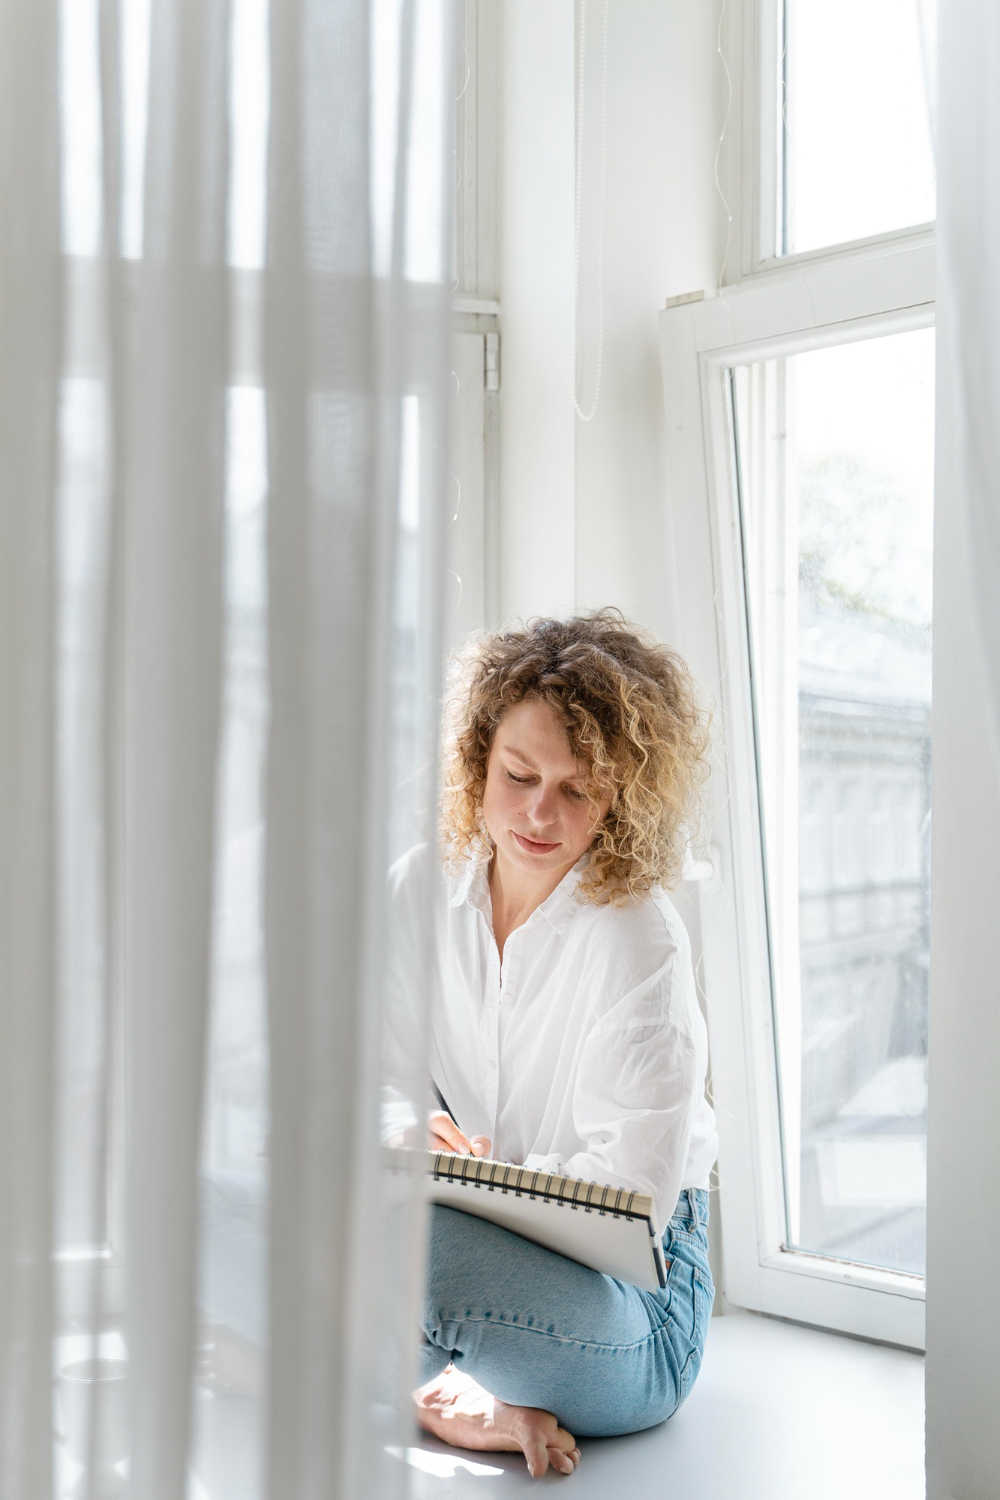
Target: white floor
[[778, 1413]]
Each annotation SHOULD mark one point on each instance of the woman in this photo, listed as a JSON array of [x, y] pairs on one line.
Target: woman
[[566, 1033]]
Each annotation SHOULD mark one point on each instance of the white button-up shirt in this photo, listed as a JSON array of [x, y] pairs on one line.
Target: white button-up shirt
[[585, 1052]]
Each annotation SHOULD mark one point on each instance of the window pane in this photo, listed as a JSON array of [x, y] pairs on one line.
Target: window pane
[[858, 103], [836, 471]]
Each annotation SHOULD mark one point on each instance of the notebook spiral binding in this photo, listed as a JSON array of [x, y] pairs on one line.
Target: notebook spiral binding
[[479, 1172]]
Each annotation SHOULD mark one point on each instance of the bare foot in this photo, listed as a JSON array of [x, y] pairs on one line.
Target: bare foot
[[457, 1410]]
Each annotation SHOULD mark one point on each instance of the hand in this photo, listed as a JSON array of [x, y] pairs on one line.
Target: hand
[[444, 1135]]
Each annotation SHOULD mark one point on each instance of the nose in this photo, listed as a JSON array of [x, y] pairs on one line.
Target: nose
[[542, 807]]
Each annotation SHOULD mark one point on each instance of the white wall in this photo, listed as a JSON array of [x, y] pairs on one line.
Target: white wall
[[664, 236], [537, 468], [583, 508]]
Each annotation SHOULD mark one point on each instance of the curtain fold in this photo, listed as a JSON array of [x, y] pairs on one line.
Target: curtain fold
[[963, 1165], [136, 627], [30, 354], [119, 429], [172, 409], [346, 349], [968, 235]]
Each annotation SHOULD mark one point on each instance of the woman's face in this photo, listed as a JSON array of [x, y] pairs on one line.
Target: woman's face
[[535, 804]]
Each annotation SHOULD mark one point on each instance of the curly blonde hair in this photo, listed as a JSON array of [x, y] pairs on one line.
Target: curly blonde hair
[[631, 713]]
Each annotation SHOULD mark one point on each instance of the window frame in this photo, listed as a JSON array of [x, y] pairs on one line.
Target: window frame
[[829, 300], [751, 51]]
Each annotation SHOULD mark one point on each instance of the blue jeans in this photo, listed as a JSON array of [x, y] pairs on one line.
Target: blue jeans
[[536, 1329]]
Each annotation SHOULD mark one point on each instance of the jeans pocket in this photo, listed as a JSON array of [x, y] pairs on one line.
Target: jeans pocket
[[703, 1297]]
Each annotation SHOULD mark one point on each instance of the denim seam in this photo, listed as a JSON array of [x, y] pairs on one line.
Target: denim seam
[[560, 1338], [697, 1344], [682, 1379]]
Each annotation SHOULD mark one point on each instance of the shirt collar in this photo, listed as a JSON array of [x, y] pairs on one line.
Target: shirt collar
[[558, 908], [472, 886]]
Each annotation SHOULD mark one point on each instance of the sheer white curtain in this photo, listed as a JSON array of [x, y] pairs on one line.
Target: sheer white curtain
[[969, 237], [30, 346], [963, 1164], [224, 355], [353, 653]]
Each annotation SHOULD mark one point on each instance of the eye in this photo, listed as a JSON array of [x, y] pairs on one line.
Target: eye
[[578, 796], [519, 780]]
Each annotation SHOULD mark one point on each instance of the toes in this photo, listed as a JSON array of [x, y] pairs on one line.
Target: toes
[[537, 1455], [563, 1463]]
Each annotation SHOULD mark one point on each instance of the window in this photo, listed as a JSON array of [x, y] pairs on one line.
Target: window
[[856, 131], [829, 138], [803, 525], [801, 410], [835, 478]]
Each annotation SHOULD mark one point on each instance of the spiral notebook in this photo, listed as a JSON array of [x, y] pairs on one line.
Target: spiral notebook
[[608, 1229]]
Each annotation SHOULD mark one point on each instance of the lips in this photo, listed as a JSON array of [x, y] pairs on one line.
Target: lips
[[534, 846]]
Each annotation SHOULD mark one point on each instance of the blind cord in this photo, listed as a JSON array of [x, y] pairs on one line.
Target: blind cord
[[588, 416]]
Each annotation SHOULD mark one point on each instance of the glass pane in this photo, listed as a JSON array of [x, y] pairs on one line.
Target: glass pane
[[836, 471], [858, 119]]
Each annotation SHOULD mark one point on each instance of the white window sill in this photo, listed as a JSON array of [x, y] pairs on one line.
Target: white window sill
[[778, 1412]]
